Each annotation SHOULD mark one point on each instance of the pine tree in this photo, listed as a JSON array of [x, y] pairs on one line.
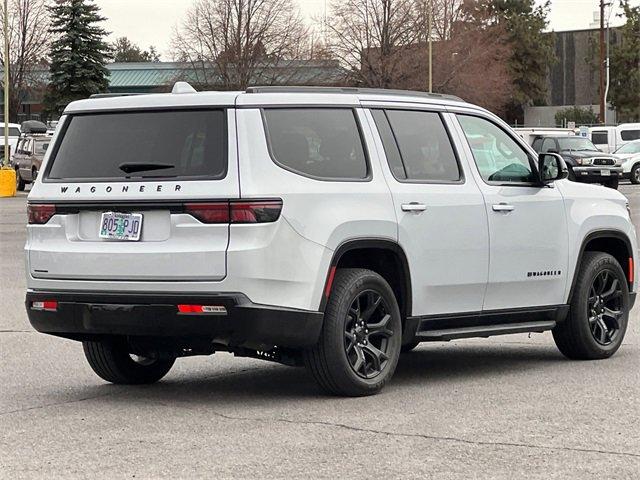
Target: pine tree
[[533, 51], [78, 54], [625, 67]]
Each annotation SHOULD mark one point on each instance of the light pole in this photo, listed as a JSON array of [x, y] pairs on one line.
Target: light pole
[[429, 5], [6, 84]]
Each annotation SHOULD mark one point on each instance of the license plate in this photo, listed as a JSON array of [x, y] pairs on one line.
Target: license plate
[[121, 226], [605, 173]]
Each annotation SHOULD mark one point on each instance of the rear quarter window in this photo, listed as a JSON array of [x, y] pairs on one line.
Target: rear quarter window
[[158, 144], [323, 143], [629, 135]]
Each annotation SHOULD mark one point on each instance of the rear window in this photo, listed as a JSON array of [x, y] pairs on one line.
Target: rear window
[[600, 138], [318, 142], [159, 144], [628, 135]]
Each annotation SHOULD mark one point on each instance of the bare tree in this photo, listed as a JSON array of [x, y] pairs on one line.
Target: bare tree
[[28, 44], [371, 37], [233, 43]]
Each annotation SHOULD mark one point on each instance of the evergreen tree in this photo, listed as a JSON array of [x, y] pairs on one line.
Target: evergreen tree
[[78, 54], [127, 51], [625, 67], [533, 51]]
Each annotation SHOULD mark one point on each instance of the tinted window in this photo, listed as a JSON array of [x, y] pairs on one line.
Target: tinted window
[[548, 144], [321, 142], [13, 132], [498, 156], [537, 144], [391, 150], [600, 138], [628, 135], [424, 146], [176, 143]]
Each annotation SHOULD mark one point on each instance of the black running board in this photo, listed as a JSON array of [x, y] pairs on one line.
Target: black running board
[[484, 331]]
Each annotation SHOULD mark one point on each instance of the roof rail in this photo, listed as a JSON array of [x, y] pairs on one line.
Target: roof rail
[[353, 91], [111, 95]]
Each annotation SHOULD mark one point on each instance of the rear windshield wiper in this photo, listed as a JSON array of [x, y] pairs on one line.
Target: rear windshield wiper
[[130, 167]]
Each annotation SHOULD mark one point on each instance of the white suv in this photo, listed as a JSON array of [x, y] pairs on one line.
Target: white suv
[[333, 228]]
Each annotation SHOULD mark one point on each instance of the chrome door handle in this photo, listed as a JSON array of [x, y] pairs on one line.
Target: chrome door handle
[[413, 207], [503, 207]]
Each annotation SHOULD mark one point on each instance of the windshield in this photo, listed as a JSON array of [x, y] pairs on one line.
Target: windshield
[[633, 147], [187, 143], [578, 144]]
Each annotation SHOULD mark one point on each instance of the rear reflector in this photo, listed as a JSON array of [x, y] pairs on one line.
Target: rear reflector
[[202, 309], [46, 305], [631, 270], [251, 211], [39, 214]]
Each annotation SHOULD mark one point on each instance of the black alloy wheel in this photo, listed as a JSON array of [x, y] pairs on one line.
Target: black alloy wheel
[[367, 333], [605, 307]]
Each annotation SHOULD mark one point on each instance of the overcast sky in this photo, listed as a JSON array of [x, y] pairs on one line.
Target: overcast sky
[[151, 22]]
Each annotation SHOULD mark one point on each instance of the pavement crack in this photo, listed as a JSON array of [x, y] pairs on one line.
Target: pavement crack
[[427, 437], [55, 404]]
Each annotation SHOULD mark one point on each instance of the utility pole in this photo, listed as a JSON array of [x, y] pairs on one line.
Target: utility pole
[[602, 72], [429, 42], [6, 84]]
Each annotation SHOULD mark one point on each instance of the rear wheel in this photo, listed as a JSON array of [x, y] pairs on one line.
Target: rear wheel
[[599, 310], [20, 183], [635, 174], [613, 183], [359, 345], [112, 361]]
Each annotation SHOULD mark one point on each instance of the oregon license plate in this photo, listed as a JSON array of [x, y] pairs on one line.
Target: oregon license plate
[[121, 226], [605, 173]]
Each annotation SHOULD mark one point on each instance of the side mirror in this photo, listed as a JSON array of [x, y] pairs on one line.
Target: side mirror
[[551, 167]]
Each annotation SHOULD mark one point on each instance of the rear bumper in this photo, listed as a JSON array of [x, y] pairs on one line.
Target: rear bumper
[[81, 316], [594, 174]]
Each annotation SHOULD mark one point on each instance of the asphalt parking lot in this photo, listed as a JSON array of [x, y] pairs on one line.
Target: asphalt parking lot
[[506, 407]]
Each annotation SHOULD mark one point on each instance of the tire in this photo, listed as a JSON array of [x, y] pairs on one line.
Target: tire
[[576, 336], [343, 362], [20, 183], [111, 361], [409, 347], [34, 174], [613, 183], [635, 174]]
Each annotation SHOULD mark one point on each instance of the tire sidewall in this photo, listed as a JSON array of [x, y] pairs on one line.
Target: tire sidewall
[[597, 265], [337, 311]]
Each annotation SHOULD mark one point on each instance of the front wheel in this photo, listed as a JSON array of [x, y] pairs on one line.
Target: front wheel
[[599, 310], [635, 174], [361, 337], [111, 361]]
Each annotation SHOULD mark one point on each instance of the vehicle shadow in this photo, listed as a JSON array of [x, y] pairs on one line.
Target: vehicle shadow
[[259, 383]]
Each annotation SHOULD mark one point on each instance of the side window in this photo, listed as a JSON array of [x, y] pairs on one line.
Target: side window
[[537, 144], [600, 137], [391, 150], [628, 135], [319, 142], [498, 156], [423, 146], [548, 145]]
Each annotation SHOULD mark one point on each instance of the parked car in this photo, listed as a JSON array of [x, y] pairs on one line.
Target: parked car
[[30, 152], [610, 138], [529, 134], [629, 153], [331, 228], [14, 135], [586, 163]]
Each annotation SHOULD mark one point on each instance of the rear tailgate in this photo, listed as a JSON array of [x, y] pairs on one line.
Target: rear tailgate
[[159, 164]]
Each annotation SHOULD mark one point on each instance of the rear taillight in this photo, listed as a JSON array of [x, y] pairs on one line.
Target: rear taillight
[[258, 211], [202, 309], [209, 212], [46, 305], [39, 214], [250, 211]]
